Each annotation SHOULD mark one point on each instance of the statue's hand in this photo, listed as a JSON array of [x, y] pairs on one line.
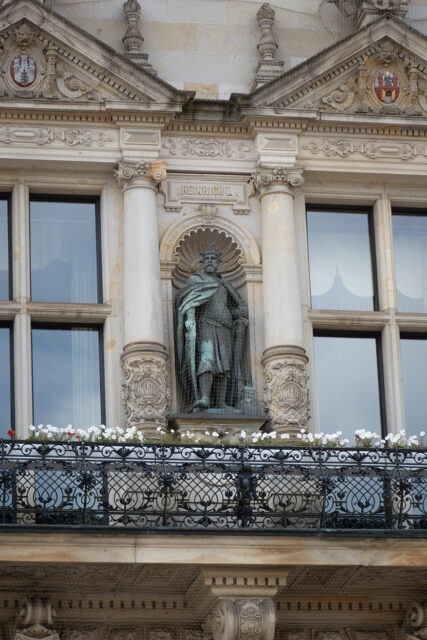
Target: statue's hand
[[243, 311], [190, 325]]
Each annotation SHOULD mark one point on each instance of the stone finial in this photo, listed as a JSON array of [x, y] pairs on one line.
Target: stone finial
[[133, 39], [268, 67], [362, 12]]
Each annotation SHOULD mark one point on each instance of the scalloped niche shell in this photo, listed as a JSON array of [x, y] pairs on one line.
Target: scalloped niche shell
[[188, 259]]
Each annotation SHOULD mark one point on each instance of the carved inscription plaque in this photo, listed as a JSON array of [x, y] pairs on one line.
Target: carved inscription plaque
[[179, 190]]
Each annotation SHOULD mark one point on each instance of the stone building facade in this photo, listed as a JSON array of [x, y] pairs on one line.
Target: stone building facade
[[183, 123]]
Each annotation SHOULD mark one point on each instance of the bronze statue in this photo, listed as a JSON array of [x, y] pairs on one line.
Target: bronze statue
[[211, 328]]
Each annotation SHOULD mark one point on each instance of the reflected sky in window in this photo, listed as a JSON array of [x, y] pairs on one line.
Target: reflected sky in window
[[4, 251], [66, 376], [414, 372], [410, 254], [5, 390], [63, 252], [340, 260], [347, 384]]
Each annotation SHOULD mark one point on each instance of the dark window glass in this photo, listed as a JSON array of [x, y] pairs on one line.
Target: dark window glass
[[66, 376], [414, 372], [410, 254], [5, 382], [347, 384], [64, 260], [339, 248], [4, 249]]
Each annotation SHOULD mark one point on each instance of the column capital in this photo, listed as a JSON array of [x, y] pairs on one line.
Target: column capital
[[131, 173], [285, 178]]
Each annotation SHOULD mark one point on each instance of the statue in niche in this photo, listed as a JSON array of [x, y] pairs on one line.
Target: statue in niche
[[211, 333]]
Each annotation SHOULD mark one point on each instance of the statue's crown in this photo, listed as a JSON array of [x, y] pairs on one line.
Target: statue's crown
[[210, 250]]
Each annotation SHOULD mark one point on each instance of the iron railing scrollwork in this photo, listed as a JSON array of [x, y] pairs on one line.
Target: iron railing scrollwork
[[93, 486]]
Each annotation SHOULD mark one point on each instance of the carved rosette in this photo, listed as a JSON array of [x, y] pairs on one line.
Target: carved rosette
[[243, 619], [145, 390], [131, 172], [277, 176], [286, 395]]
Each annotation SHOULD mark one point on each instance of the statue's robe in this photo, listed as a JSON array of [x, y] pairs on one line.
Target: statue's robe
[[210, 350]]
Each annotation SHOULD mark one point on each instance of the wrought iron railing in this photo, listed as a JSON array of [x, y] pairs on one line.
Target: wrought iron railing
[[180, 488]]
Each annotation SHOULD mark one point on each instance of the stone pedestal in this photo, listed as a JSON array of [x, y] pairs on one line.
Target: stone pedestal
[[286, 393], [145, 385]]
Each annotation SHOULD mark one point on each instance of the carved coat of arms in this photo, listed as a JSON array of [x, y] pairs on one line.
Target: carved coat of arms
[[23, 70], [387, 87]]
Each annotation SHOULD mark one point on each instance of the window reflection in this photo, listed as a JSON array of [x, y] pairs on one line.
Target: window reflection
[[4, 250], [66, 376], [5, 383], [63, 251], [340, 260], [347, 384], [410, 254], [414, 372]]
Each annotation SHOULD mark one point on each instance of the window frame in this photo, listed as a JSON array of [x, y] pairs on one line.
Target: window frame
[[40, 197], [410, 211], [71, 325], [372, 248], [376, 335]]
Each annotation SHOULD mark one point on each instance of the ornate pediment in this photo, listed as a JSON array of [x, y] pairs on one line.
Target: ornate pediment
[[45, 58], [372, 72]]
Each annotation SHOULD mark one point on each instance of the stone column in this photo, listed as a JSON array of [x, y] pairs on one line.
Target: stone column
[[145, 380], [244, 609], [285, 360]]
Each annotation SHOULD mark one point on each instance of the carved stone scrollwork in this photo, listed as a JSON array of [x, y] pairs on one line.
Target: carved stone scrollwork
[[364, 11], [415, 625], [152, 173], [243, 619], [146, 393], [34, 621], [266, 177], [286, 395]]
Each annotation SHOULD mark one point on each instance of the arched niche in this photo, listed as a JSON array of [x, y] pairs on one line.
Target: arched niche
[[180, 250]]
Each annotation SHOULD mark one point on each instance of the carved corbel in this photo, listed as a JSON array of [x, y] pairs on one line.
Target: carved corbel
[[35, 620], [244, 609], [131, 172], [415, 624]]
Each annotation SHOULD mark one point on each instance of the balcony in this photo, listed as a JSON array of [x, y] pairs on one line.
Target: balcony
[[94, 487]]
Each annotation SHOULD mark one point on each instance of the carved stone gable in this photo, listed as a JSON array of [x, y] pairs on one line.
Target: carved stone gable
[[56, 61], [372, 72]]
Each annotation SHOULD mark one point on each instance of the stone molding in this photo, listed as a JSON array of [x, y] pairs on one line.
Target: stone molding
[[243, 619], [244, 582], [266, 177], [286, 394], [145, 388], [415, 625], [135, 173]]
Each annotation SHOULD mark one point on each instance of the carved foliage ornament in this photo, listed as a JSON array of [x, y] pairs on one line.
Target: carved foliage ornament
[[206, 147], [243, 619], [146, 394], [344, 148], [128, 170], [286, 394], [265, 177]]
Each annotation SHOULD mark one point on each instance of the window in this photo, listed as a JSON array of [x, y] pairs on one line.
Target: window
[[414, 373], [341, 268], [410, 255], [64, 240], [6, 378], [348, 382], [5, 242]]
